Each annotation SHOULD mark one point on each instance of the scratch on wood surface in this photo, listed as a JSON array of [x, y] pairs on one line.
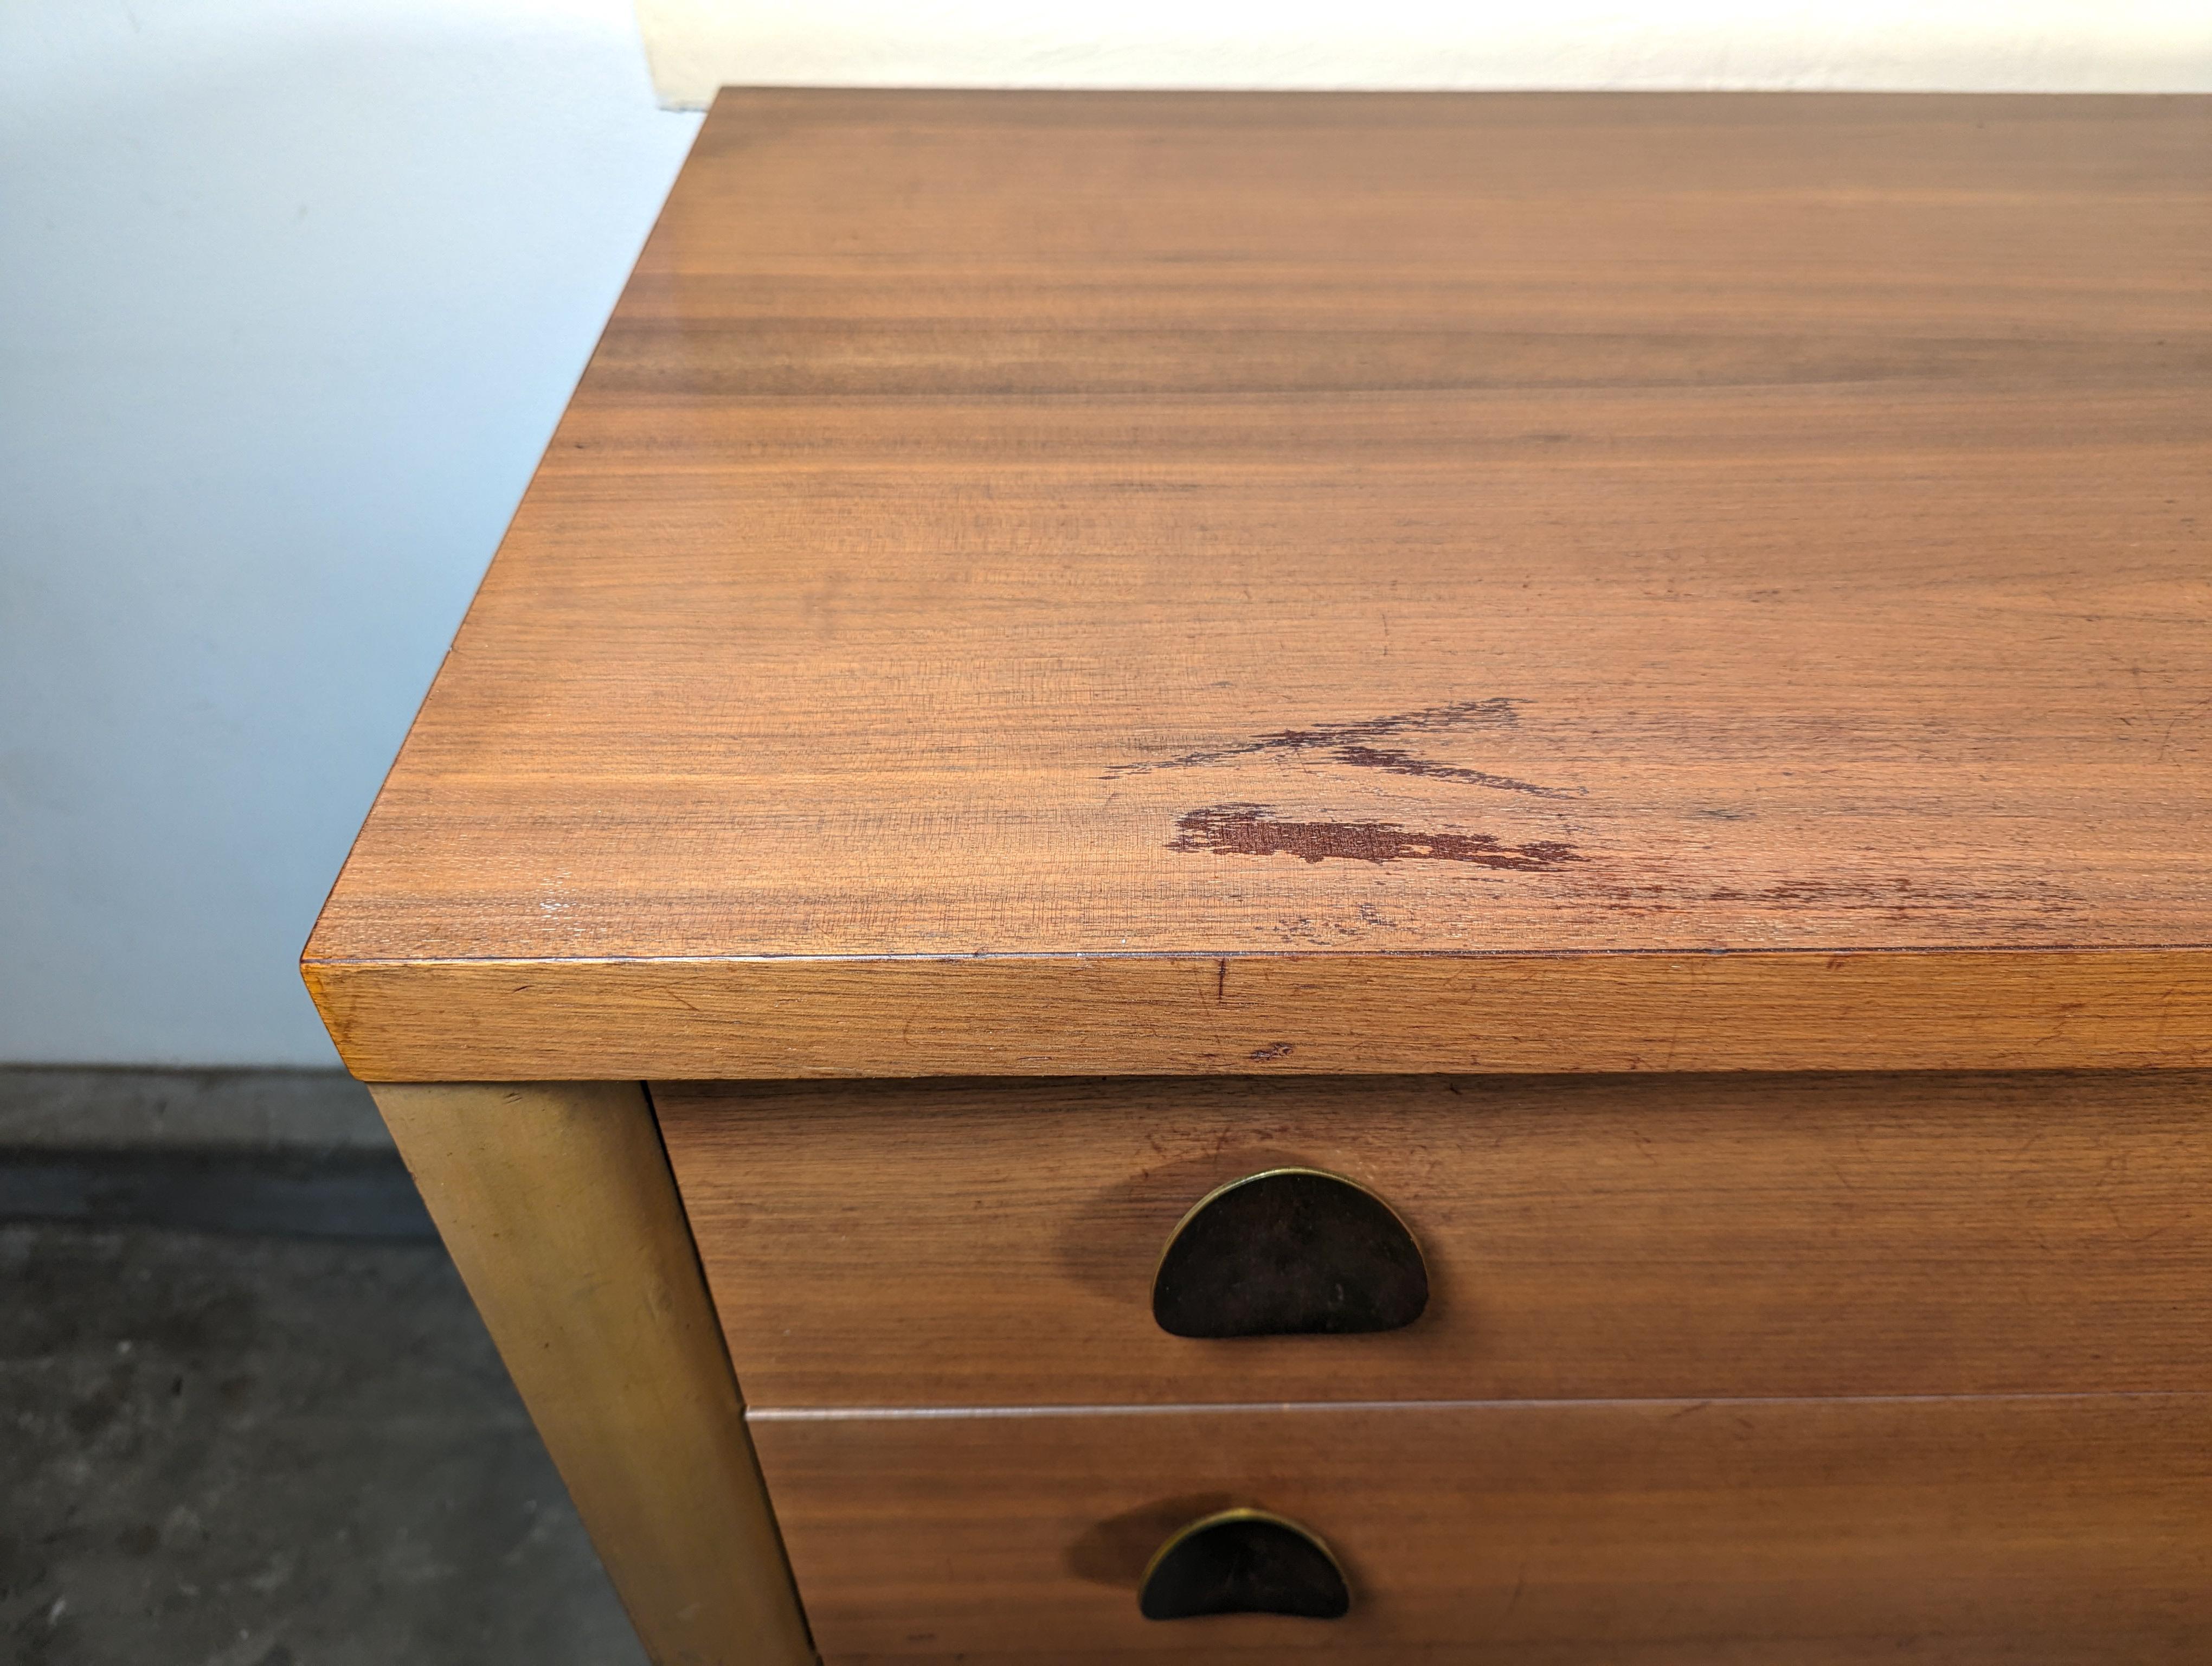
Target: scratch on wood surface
[[1405, 763], [1253, 829], [2036, 902], [1498, 712], [1520, 1585]]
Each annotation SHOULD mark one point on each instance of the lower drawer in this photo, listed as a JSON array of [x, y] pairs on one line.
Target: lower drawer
[[2032, 1529]]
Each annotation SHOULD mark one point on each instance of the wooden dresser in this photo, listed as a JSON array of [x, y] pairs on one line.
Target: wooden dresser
[[1399, 878]]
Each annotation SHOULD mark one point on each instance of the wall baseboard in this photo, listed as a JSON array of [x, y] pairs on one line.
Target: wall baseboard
[[260, 1193], [270, 1153], [85, 1109]]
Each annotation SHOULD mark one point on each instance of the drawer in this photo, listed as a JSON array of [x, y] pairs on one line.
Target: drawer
[[2048, 1529], [957, 1245]]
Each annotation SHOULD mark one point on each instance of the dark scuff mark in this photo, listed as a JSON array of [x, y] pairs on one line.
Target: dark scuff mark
[[1497, 712], [1520, 1585], [1220, 982], [1405, 763], [1253, 829], [1272, 1050], [1901, 897]]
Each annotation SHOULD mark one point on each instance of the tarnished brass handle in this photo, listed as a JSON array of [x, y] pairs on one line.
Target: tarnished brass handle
[[1289, 1252], [1243, 1561]]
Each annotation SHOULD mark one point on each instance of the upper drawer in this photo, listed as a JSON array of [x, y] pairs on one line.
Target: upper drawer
[[994, 1243]]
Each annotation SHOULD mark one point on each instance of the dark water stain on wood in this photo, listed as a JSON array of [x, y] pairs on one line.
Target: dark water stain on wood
[[1253, 829], [1497, 712]]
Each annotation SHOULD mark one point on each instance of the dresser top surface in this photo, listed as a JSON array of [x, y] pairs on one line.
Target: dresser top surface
[[1374, 525]]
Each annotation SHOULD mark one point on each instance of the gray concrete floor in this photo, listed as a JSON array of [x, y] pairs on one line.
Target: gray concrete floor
[[232, 1449]]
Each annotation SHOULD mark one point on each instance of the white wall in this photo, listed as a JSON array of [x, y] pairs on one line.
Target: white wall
[[291, 291], [1968, 46]]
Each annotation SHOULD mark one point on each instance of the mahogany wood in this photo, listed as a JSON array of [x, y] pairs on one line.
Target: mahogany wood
[[1415, 535], [968, 1244]]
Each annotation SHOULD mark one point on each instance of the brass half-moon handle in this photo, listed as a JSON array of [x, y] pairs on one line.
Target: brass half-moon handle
[[1243, 1561], [1289, 1252]]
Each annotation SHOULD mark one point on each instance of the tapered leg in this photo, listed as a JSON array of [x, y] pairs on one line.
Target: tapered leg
[[555, 1201]]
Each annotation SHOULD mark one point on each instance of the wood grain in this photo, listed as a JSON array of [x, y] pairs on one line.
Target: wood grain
[[1368, 528], [1704, 1651], [1291, 1015], [557, 1204], [967, 1245], [2044, 1529], [2005, 1651]]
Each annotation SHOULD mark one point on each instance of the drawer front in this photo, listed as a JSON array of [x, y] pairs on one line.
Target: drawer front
[[978, 1244], [2059, 1528]]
